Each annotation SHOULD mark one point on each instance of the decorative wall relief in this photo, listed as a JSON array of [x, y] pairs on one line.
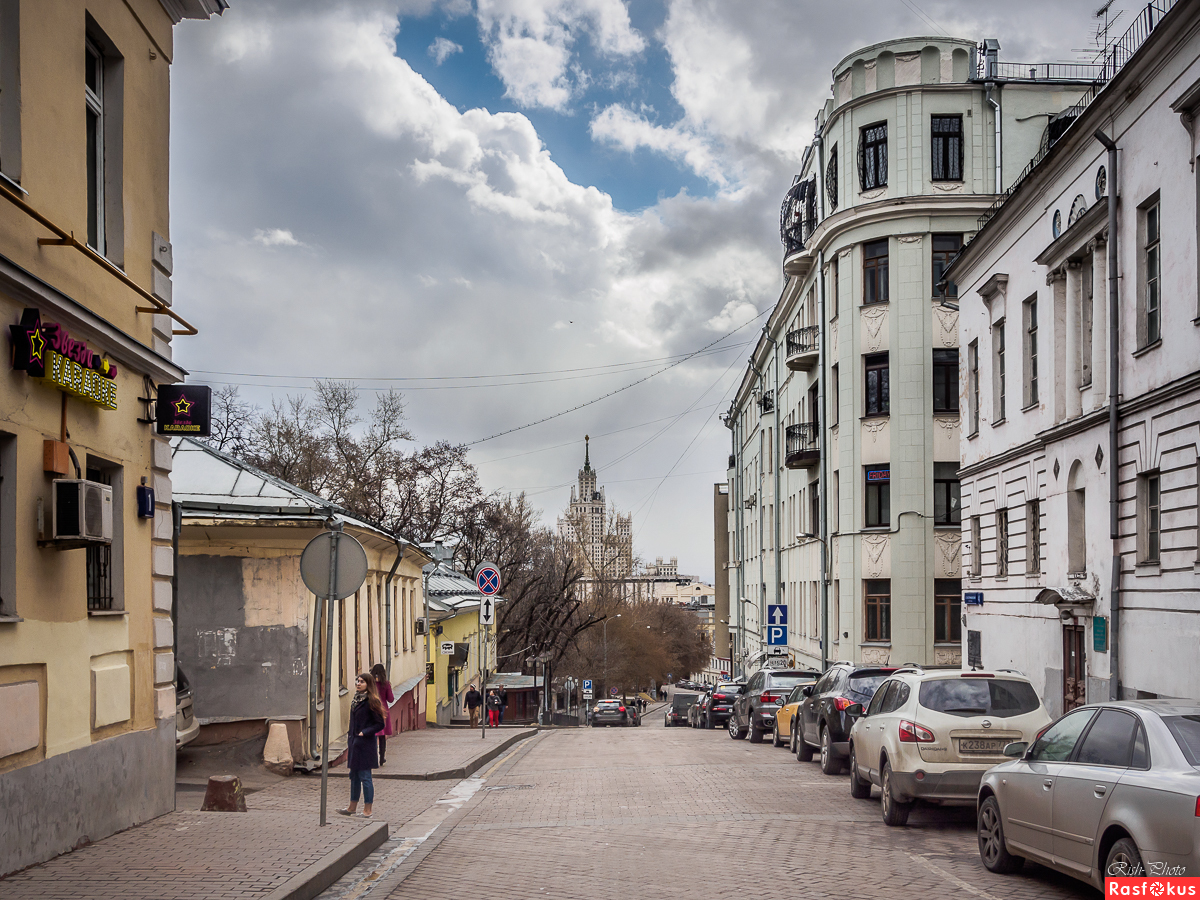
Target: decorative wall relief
[[948, 187], [910, 238], [873, 194], [833, 341], [877, 560], [874, 332], [875, 445], [949, 554], [947, 656], [945, 437], [945, 327], [876, 656]]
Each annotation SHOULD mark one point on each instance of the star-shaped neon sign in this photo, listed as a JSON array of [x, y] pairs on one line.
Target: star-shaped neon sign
[[183, 406], [37, 344]]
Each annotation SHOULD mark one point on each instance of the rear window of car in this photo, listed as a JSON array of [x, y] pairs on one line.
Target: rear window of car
[[683, 700], [997, 697], [610, 703], [787, 681], [1186, 731], [864, 686]]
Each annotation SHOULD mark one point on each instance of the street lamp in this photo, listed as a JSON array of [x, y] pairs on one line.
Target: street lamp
[[617, 616]]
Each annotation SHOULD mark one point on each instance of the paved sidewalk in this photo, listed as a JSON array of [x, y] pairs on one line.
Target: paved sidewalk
[[434, 754]]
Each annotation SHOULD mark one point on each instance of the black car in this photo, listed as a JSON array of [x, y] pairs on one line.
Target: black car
[[754, 710], [610, 712], [823, 722], [718, 704], [677, 712]]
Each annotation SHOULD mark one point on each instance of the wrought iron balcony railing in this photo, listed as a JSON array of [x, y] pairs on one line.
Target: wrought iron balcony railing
[[802, 445]]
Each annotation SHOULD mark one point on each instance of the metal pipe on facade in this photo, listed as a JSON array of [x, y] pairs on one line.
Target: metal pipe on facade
[[775, 467], [823, 414], [387, 593], [1114, 396], [999, 136], [314, 673]]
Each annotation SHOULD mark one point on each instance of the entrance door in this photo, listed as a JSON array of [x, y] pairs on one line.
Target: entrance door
[[1074, 665]]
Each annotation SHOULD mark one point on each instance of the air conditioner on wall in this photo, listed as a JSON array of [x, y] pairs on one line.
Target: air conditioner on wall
[[422, 625], [83, 512]]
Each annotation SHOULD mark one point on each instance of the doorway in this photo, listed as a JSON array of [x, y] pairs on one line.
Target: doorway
[[1074, 666]]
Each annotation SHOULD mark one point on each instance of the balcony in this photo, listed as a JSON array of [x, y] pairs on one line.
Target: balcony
[[803, 448], [802, 351]]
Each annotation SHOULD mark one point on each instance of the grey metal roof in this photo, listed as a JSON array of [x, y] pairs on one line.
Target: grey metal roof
[[449, 588], [514, 680]]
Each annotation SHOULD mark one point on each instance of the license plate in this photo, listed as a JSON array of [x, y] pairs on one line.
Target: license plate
[[970, 746]]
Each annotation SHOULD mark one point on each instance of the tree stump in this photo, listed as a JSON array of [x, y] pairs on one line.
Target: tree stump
[[224, 794]]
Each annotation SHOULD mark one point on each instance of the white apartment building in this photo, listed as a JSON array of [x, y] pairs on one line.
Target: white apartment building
[[843, 486], [1081, 390], [603, 539]]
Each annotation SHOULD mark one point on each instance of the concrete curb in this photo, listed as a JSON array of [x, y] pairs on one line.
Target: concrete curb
[[448, 774], [308, 883]]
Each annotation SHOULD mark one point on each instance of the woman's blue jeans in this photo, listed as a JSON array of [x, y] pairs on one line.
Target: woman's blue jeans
[[361, 777]]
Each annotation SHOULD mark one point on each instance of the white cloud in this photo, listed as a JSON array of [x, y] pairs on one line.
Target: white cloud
[[275, 237], [629, 131], [442, 48], [530, 44]]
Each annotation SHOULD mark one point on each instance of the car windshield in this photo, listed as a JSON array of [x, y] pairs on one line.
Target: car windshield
[[788, 681], [979, 697], [864, 686], [1186, 730]]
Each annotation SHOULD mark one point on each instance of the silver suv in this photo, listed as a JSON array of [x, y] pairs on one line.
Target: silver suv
[[932, 735]]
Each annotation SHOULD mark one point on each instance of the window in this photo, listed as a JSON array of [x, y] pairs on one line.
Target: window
[[880, 696], [1031, 352], [104, 565], [945, 248], [976, 551], [1033, 537], [872, 156], [831, 178], [834, 284], [1076, 520], [945, 381], [878, 401], [875, 272], [94, 96], [1109, 742], [1057, 744], [947, 610], [10, 89], [946, 146], [834, 504], [946, 494], [8, 525], [879, 609], [814, 507], [878, 491], [834, 397], [1152, 324], [1086, 312], [998, 373], [1150, 514], [102, 93], [973, 384], [1002, 543]]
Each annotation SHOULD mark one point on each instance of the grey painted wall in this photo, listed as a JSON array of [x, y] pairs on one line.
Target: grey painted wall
[[98, 790], [237, 671]]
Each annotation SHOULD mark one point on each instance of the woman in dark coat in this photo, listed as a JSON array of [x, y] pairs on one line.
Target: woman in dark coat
[[366, 721], [384, 688]]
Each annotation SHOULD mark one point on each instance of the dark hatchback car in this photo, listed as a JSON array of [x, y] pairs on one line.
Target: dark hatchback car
[[717, 704], [754, 710], [610, 712], [823, 722], [677, 712]]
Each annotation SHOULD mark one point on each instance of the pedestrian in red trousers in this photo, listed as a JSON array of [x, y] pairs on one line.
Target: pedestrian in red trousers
[[493, 708], [384, 688]]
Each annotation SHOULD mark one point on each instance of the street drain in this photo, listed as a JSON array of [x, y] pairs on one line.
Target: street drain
[[509, 787]]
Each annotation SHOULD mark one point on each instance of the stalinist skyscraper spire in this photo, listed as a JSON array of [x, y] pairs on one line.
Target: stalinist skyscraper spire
[[603, 543]]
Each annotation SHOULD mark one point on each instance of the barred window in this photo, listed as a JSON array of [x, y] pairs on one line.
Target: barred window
[[945, 248], [875, 272], [1002, 543], [877, 393], [1033, 537], [831, 178], [872, 156], [946, 147]]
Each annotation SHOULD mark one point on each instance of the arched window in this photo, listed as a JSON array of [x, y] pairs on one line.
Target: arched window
[[1076, 520]]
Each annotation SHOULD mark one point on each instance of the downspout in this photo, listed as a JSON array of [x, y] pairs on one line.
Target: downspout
[[314, 674], [1114, 391], [387, 593], [740, 638], [823, 416], [999, 135], [775, 467]]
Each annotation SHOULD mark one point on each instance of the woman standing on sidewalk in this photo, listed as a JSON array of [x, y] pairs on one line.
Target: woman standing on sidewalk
[[493, 708], [366, 721], [384, 687]]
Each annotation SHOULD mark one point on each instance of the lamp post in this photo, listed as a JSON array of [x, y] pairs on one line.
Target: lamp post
[[617, 616]]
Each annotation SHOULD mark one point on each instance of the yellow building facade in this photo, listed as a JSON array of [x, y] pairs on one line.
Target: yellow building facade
[[455, 640], [87, 673]]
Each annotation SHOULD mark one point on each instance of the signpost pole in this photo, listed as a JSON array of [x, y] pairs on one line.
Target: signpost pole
[[333, 563], [483, 683]]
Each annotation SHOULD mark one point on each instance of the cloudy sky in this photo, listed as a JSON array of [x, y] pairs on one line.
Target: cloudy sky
[[510, 208]]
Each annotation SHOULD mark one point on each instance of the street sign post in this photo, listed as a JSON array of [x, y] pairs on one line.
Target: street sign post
[[613, 691], [776, 614], [446, 648], [333, 565], [487, 580], [776, 635]]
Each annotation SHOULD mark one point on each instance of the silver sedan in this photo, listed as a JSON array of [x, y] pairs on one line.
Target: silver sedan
[[1110, 788]]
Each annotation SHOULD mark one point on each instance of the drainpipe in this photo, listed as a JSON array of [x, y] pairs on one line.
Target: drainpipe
[[387, 593], [823, 416], [1114, 388], [775, 467], [992, 53], [176, 528], [740, 638]]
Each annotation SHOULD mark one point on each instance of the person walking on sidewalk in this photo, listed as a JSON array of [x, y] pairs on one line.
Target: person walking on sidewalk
[[384, 688], [474, 701], [366, 721], [503, 703], [493, 708]]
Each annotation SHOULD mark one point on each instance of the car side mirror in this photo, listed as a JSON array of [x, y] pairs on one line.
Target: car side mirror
[[1016, 749], [806, 692], [855, 710]]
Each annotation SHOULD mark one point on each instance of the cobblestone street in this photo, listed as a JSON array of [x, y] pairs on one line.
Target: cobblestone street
[[652, 812]]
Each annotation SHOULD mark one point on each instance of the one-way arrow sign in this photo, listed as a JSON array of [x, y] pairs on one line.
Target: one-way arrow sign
[[777, 614], [487, 611]]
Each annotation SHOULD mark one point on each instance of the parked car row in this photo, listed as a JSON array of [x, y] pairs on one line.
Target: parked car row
[[1108, 787]]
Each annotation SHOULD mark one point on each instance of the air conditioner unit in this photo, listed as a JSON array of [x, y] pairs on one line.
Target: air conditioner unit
[[83, 512], [422, 625]]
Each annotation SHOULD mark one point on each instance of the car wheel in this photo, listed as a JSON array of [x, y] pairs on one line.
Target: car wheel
[[804, 753], [860, 789], [792, 743], [992, 849], [830, 764], [756, 733], [894, 812], [734, 732], [776, 741], [1124, 853]]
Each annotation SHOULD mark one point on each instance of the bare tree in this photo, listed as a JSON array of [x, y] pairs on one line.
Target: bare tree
[[232, 421]]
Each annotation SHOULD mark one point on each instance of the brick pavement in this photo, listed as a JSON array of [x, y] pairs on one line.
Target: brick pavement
[[668, 813], [415, 754]]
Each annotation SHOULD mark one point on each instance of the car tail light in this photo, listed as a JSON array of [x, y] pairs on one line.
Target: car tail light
[[767, 697], [978, 675], [718, 696], [912, 733], [840, 703], [1198, 807], [622, 709]]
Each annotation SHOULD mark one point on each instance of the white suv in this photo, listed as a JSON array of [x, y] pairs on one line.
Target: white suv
[[932, 735]]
